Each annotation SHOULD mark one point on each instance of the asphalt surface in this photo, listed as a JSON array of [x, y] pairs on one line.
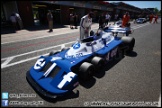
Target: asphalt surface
[[135, 78]]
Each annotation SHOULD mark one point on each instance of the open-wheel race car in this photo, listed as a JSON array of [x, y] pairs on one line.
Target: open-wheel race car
[[117, 28], [58, 73], [141, 20]]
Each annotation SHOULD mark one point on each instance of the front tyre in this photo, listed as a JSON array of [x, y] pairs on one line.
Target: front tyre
[[86, 71]]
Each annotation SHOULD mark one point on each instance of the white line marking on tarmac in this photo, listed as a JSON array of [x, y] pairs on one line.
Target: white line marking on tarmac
[[36, 50], [21, 61], [8, 59], [159, 103], [38, 37], [25, 60], [135, 27]]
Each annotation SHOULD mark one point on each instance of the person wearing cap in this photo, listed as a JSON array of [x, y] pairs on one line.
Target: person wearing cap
[[50, 20], [125, 19], [85, 25]]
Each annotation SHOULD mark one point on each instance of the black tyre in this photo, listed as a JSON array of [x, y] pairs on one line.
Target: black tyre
[[98, 62], [120, 54], [129, 43], [86, 70], [53, 52]]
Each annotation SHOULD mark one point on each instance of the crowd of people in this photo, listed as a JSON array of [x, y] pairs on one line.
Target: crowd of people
[[155, 17], [104, 20], [85, 22]]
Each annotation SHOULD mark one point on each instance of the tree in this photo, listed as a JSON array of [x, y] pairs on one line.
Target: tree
[[156, 10], [159, 12]]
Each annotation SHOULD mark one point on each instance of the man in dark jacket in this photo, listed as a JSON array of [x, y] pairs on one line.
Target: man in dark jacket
[[101, 21], [50, 20]]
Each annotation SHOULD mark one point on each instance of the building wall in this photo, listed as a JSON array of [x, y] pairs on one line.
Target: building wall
[[24, 8], [25, 11], [65, 14], [9, 8], [80, 12]]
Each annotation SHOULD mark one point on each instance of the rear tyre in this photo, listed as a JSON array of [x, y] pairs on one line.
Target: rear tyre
[[86, 71], [129, 43], [98, 62]]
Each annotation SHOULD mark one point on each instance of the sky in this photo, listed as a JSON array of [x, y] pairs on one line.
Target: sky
[[143, 4]]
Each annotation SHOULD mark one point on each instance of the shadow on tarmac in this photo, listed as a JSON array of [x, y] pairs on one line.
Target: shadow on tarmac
[[70, 95], [44, 27], [7, 30], [132, 54]]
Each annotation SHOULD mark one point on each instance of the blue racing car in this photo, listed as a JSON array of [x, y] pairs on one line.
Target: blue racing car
[[59, 72], [141, 20]]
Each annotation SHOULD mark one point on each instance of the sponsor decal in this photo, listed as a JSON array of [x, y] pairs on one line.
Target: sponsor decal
[[76, 46], [74, 56], [66, 78], [39, 64]]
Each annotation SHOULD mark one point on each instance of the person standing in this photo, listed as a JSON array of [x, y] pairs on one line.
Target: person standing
[[71, 20], [151, 17], [50, 21], [13, 20], [107, 19], [125, 19], [155, 17], [85, 25], [101, 21], [115, 18], [135, 18], [19, 20], [75, 20]]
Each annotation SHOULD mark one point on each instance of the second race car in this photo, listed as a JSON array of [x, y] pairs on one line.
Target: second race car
[[117, 28]]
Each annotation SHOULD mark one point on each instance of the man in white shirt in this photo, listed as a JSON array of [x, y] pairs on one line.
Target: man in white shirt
[[85, 25]]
